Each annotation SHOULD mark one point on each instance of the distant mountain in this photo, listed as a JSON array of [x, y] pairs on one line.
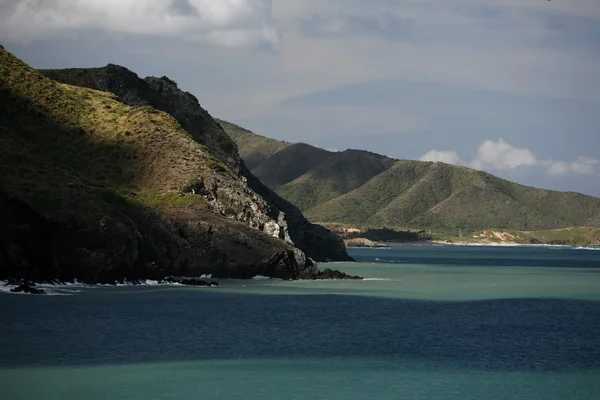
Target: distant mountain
[[117, 177], [366, 189]]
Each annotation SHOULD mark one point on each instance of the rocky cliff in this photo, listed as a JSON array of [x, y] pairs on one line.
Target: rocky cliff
[[287, 222], [98, 186]]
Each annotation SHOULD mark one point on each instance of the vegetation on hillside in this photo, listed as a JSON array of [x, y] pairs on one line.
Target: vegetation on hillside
[[391, 235], [97, 189], [364, 189], [153, 94], [253, 148]]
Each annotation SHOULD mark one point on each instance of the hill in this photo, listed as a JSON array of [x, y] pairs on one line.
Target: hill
[[365, 189], [101, 186]]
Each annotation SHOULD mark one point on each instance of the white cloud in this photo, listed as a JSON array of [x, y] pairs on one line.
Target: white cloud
[[448, 157], [584, 165], [581, 166], [558, 168], [502, 155], [227, 22]]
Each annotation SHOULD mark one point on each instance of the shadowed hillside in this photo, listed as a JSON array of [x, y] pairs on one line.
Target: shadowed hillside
[[361, 188], [97, 189], [163, 94]]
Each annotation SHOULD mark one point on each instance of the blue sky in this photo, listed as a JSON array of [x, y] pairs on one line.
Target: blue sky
[[508, 86]]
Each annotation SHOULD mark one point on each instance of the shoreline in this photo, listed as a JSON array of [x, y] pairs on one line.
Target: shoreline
[[58, 287], [388, 245], [513, 244]]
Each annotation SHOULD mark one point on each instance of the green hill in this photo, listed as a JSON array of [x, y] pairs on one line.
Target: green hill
[[365, 189], [97, 186], [256, 148]]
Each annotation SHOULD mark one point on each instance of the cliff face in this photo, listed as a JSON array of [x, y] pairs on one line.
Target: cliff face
[[287, 222], [129, 243], [97, 189]]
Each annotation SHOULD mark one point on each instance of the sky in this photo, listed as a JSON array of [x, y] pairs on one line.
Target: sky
[[511, 87]]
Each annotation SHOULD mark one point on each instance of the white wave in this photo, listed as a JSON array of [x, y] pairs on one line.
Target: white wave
[[376, 279], [261, 278], [587, 248], [370, 248], [386, 261], [69, 288], [48, 292], [206, 276], [5, 289]]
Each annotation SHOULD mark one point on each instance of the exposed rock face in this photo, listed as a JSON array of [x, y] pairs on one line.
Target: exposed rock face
[[335, 275], [26, 288], [198, 282], [267, 212], [318, 242], [130, 244], [99, 191], [362, 242]]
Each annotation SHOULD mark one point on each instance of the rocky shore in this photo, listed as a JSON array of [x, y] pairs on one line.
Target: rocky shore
[[109, 177], [29, 287], [363, 242]]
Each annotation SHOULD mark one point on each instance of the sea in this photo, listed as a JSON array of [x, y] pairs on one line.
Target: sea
[[428, 322]]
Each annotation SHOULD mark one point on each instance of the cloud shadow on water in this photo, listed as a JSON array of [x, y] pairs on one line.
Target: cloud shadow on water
[[106, 327]]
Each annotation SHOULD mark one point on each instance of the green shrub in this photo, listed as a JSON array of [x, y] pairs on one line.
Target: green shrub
[[195, 186]]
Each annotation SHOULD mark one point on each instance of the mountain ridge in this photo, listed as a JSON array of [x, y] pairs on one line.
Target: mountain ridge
[[407, 193], [164, 95], [95, 189]]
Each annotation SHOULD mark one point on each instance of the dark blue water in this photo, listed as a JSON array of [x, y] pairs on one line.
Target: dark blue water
[[237, 337], [174, 325], [529, 256]]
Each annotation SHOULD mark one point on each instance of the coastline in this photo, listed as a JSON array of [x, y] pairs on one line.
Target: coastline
[[512, 244], [388, 245]]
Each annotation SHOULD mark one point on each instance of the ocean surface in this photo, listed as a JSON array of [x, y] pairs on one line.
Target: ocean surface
[[430, 322]]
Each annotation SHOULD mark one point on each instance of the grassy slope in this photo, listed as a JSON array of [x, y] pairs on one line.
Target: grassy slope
[[228, 193], [575, 236], [117, 179], [159, 93], [80, 157], [104, 142], [363, 189], [72, 152], [335, 175], [254, 149]]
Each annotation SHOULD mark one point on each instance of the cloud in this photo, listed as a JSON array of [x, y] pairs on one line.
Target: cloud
[[557, 168], [501, 155], [581, 166], [231, 23], [384, 24], [448, 157]]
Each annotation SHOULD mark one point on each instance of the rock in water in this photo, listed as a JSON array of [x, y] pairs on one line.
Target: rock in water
[[335, 275], [27, 287], [198, 282]]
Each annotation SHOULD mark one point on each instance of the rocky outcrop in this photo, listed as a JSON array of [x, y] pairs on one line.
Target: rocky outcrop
[[197, 282], [362, 242], [318, 242], [241, 197], [131, 244], [27, 288], [99, 191], [328, 274]]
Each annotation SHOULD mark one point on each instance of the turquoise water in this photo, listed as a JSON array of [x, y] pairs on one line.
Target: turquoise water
[[432, 322]]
